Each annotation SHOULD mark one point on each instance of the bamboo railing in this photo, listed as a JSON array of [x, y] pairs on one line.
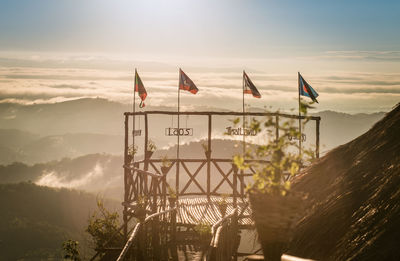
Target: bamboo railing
[[141, 248]]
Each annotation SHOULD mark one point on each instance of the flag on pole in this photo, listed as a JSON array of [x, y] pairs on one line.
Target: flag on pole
[[185, 83], [306, 90], [139, 87], [249, 87]]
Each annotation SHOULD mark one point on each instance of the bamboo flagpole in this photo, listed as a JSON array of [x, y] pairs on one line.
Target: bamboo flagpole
[[247, 83], [178, 135], [185, 83], [244, 123], [304, 89], [138, 87], [298, 90], [134, 116]]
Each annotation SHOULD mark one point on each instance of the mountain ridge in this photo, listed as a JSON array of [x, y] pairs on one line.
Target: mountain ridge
[[103, 117]]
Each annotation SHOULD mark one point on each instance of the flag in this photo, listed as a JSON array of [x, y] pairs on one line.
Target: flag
[[306, 90], [186, 84], [139, 87], [249, 87]]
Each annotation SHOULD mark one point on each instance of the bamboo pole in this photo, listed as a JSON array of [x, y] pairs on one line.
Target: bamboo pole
[[134, 117], [178, 133], [208, 155], [298, 84], [317, 123], [126, 196], [244, 139], [244, 123]]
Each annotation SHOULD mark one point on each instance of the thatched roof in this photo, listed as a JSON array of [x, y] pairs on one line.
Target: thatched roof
[[354, 195]]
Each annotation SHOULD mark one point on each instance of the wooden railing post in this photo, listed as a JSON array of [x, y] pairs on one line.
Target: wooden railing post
[[235, 230], [172, 243], [155, 224], [177, 178], [317, 138], [126, 173], [146, 158], [208, 155], [235, 178], [146, 136]]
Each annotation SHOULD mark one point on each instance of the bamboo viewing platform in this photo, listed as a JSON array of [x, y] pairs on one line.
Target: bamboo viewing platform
[[167, 223]]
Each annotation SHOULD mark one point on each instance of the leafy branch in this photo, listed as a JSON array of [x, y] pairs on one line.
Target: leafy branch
[[284, 160]]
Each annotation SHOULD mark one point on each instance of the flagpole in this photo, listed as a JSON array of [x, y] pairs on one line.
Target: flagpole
[[178, 134], [134, 117], [243, 124], [298, 90]]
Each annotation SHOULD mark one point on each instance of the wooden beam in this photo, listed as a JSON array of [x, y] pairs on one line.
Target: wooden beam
[[192, 177], [203, 160], [205, 113], [148, 173], [225, 177]]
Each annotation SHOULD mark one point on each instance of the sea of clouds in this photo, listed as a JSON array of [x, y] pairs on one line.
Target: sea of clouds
[[353, 87]]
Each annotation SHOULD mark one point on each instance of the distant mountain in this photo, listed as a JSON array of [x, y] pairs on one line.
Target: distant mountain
[[338, 128], [43, 132], [8, 155], [20, 146], [70, 145], [14, 138], [221, 148], [11, 140], [103, 173], [36, 220], [77, 116], [97, 173]]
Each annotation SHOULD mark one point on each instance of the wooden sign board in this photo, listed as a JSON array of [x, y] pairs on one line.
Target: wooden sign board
[[303, 137], [240, 132], [181, 131], [137, 132]]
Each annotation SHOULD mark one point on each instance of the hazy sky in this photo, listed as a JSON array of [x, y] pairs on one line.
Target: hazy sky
[[348, 50]]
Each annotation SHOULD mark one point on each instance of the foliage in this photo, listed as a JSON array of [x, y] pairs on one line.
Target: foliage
[[204, 146], [171, 191], [223, 204], [204, 229], [223, 200], [284, 161], [151, 146], [71, 250], [165, 162], [103, 227], [140, 209], [132, 150]]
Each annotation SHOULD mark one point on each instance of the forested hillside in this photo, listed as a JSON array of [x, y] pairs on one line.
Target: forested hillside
[[36, 220]]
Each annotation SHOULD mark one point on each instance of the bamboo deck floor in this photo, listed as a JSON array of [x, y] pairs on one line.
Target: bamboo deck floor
[[196, 210]]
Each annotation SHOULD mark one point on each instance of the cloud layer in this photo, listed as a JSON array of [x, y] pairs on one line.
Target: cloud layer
[[344, 90]]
